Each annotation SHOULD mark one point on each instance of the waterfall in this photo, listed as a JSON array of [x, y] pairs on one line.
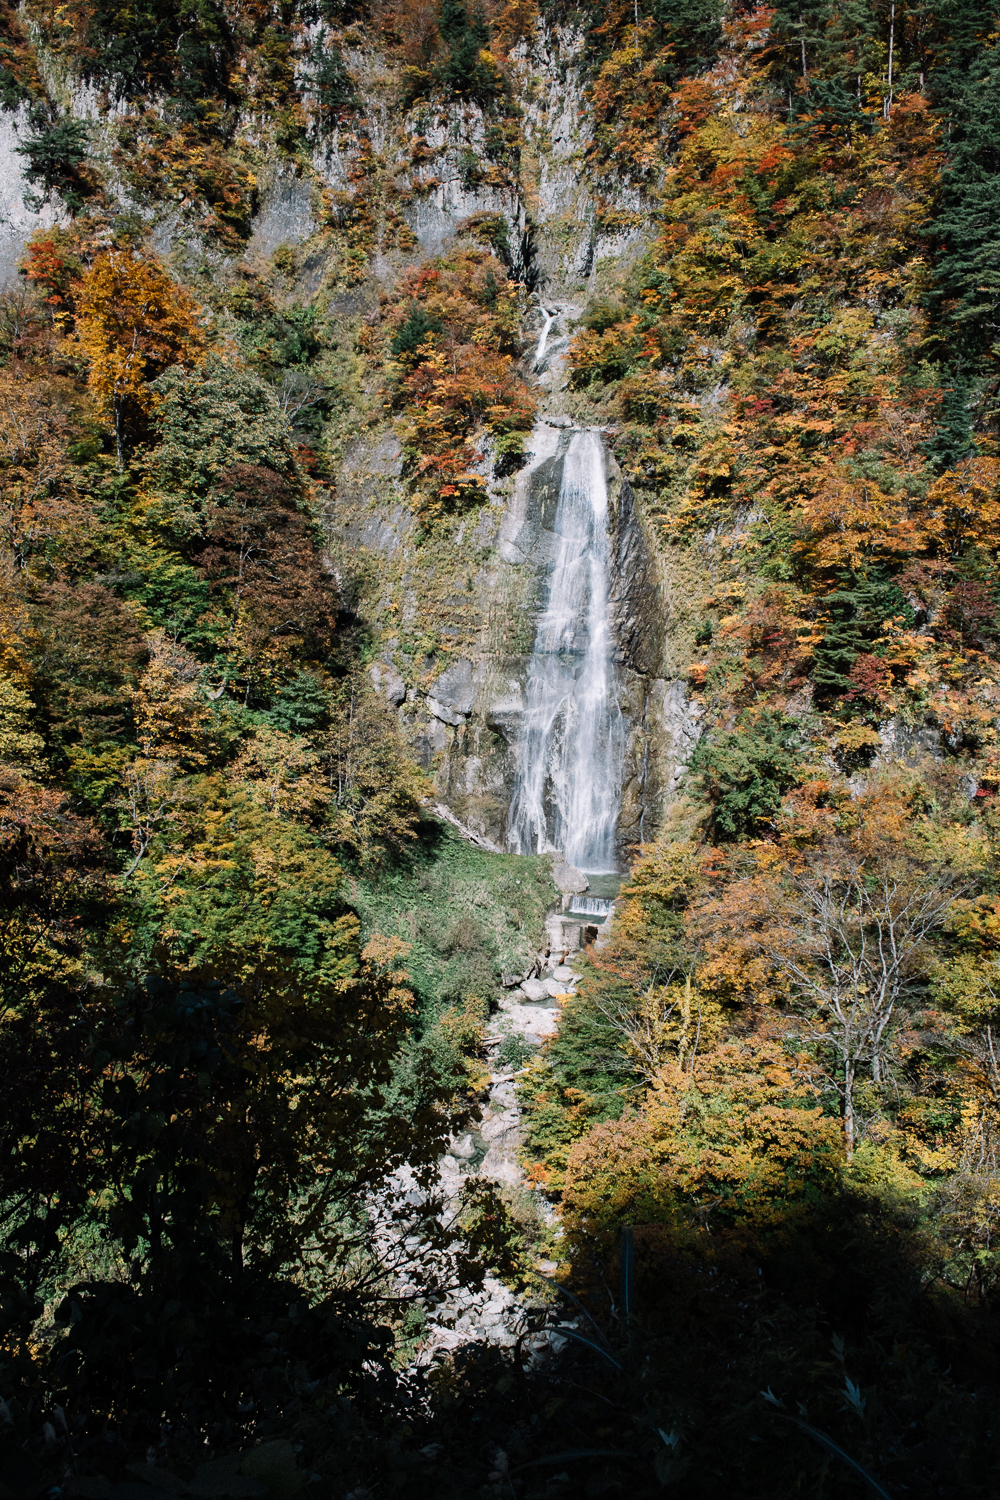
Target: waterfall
[[590, 906], [571, 745], [543, 337]]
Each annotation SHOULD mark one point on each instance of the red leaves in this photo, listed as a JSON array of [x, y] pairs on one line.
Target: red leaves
[[53, 270], [694, 100]]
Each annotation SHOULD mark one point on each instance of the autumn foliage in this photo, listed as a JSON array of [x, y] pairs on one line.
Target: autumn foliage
[[132, 321], [454, 345]]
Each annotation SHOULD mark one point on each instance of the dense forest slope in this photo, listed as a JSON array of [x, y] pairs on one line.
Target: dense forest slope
[[301, 301]]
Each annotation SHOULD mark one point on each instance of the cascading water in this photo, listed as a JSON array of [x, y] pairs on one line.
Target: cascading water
[[590, 906], [571, 746], [543, 337]]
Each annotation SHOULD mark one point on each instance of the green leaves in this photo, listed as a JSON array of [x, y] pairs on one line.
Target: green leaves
[[209, 420], [53, 155], [414, 332], [747, 772], [463, 72]]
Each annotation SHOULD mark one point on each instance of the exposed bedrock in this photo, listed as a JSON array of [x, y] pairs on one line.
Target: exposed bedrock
[[463, 710]]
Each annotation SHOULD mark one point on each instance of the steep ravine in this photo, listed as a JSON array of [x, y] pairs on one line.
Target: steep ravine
[[475, 724], [465, 709]]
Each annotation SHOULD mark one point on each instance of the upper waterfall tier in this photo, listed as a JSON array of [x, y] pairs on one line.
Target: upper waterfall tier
[[571, 745]]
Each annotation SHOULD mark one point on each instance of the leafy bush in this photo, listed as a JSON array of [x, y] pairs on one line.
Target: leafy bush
[[513, 1052], [600, 316], [747, 772]]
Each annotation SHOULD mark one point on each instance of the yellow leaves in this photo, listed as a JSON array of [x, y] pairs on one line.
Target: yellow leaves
[[968, 984], [132, 322], [738, 1141], [848, 523], [173, 720], [668, 1024], [20, 745], [848, 330], [963, 506], [283, 774], [854, 736], [628, 98]]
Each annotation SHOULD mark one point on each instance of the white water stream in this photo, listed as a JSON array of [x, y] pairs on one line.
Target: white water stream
[[590, 906], [571, 746], [543, 337]]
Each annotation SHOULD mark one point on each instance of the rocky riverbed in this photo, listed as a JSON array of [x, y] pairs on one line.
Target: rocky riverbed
[[528, 1013]]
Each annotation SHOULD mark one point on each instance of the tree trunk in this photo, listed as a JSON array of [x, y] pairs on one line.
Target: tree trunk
[[850, 1124]]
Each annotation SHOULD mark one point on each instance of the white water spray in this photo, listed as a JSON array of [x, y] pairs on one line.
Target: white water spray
[[590, 906], [572, 743], [543, 337]]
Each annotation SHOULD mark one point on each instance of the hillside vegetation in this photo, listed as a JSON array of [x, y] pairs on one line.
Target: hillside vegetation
[[245, 972]]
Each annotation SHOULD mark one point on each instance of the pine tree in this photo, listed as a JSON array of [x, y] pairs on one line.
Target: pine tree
[[966, 282], [857, 612], [464, 72]]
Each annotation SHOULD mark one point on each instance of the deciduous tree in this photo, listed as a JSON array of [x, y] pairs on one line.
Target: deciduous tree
[[132, 321]]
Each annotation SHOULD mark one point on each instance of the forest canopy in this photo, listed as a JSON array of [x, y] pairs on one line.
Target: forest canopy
[[248, 971]]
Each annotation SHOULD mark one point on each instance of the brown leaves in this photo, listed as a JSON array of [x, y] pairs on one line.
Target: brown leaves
[[86, 650], [38, 502], [274, 600]]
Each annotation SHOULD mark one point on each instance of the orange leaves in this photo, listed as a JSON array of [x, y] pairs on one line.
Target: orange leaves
[[52, 269], [628, 97], [190, 169], [852, 523], [963, 507], [694, 100], [454, 340], [774, 639], [383, 972], [132, 322]]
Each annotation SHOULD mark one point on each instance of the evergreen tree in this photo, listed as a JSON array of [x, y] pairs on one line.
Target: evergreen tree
[[331, 84], [857, 613], [965, 295], [463, 73]]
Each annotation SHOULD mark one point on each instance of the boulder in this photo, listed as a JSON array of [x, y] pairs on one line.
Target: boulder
[[455, 689], [567, 880], [563, 971], [535, 990], [445, 714]]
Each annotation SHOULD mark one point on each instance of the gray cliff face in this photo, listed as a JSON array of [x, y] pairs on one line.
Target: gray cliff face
[[455, 613], [463, 712]]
